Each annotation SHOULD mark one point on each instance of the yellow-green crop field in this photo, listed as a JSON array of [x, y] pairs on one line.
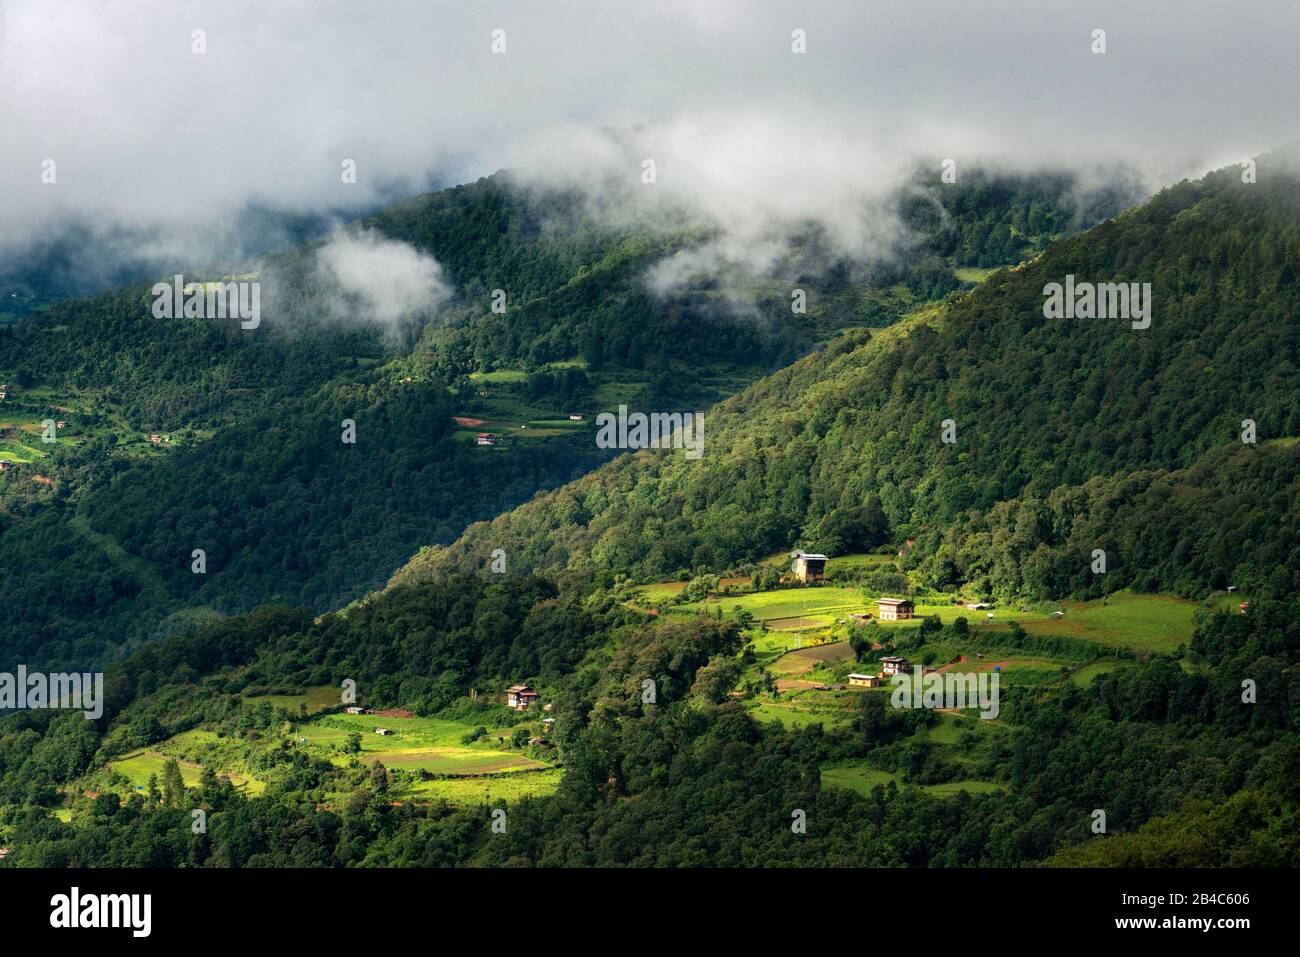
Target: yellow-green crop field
[[414, 744]]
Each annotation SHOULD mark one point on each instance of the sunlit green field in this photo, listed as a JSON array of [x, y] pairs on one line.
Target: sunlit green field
[[498, 376], [23, 442], [415, 744], [860, 778], [819, 606], [1083, 676], [800, 709], [858, 561], [974, 274], [138, 766], [471, 791], [193, 750], [489, 768], [661, 591], [316, 699], [1124, 620]]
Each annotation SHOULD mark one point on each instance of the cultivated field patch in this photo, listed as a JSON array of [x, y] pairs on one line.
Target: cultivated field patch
[[862, 779], [1124, 620]]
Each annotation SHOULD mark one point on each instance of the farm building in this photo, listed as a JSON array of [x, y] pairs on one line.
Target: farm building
[[520, 697], [978, 606], [810, 568], [863, 681], [5, 464], [486, 438], [860, 616], [895, 609], [4, 391], [383, 731], [355, 709], [575, 417], [894, 666]]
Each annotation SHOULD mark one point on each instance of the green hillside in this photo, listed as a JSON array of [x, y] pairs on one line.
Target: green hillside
[[1071, 435], [694, 700], [100, 526]]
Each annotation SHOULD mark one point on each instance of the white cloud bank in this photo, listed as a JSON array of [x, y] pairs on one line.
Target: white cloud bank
[[383, 280], [146, 132]]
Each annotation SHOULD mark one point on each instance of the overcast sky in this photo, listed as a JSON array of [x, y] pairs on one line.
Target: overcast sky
[[144, 130]]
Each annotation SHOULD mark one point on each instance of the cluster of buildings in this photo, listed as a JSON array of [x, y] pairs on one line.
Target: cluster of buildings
[[524, 698], [887, 609], [889, 666]]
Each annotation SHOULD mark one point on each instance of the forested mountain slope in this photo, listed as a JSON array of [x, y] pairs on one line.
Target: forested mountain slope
[[1071, 434], [1066, 442], [98, 530]]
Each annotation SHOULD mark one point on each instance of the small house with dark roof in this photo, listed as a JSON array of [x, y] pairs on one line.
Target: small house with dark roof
[[891, 665], [521, 697], [810, 568], [895, 609]]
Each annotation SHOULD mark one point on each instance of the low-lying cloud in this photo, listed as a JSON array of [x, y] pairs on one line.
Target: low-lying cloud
[[381, 280], [157, 139]]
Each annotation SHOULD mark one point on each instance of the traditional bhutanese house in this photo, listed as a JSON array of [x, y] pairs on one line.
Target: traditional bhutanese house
[[356, 710], [155, 438], [894, 609], [486, 438], [61, 424], [894, 666], [575, 417], [548, 723], [1244, 607], [383, 731], [4, 392], [810, 568], [520, 697], [863, 681]]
